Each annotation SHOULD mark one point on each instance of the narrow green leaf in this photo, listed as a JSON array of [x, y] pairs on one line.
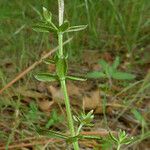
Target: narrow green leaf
[[51, 133], [33, 106], [76, 28], [123, 76], [38, 28], [64, 26], [48, 61], [127, 141], [76, 118], [57, 135], [139, 116], [103, 64], [47, 15], [46, 77], [50, 123], [91, 137], [116, 62], [113, 138], [96, 75], [75, 78], [90, 114], [109, 71], [41, 27], [54, 119]]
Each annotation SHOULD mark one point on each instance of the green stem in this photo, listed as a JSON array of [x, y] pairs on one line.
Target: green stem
[[66, 97], [118, 148], [62, 79], [69, 114], [60, 40]]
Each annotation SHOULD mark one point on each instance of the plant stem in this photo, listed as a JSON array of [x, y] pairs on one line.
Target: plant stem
[[118, 147], [60, 40], [69, 114], [61, 11], [62, 80], [66, 97]]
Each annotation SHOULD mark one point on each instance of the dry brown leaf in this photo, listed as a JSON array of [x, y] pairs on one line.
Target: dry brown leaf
[[93, 102], [107, 56], [96, 67], [45, 105], [41, 87], [51, 68], [73, 89], [26, 92], [90, 57], [57, 94]]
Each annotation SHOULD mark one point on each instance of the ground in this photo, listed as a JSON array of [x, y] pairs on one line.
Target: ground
[[116, 30]]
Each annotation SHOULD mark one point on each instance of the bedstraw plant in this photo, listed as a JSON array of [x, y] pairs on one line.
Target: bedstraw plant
[[110, 72], [121, 139], [61, 75]]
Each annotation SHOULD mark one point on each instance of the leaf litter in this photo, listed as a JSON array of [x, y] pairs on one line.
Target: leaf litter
[[86, 96]]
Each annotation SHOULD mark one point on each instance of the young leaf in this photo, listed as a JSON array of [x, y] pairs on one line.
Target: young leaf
[[47, 15], [77, 119], [90, 114], [139, 116], [113, 138], [46, 77], [123, 76], [54, 119], [41, 27], [33, 106], [75, 78], [109, 71], [104, 65], [96, 75], [116, 62], [86, 119], [64, 26], [50, 123], [76, 28]]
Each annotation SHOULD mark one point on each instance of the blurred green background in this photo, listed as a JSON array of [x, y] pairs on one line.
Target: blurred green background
[[117, 26]]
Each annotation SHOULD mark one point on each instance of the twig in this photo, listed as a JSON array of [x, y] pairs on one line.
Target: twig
[[20, 145], [31, 67]]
